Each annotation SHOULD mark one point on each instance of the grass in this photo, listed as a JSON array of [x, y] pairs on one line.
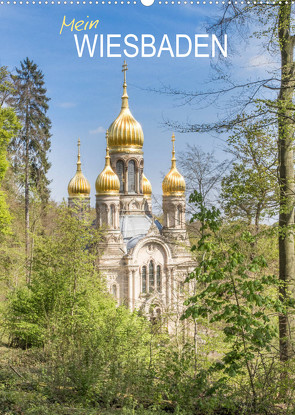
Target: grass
[[23, 390]]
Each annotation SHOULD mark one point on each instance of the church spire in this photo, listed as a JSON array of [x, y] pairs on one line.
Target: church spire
[[79, 157], [125, 133], [125, 95], [79, 185], [173, 160], [107, 157], [173, 183]]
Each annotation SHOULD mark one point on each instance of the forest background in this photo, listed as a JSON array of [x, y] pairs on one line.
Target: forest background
[[66, 346]]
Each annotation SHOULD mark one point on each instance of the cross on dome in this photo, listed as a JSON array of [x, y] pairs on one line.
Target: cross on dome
[[125, 133], [173, 151], [79, 185], [173, 183], [124, 70]]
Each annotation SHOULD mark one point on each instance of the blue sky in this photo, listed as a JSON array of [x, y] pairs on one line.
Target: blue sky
[[86, 93]]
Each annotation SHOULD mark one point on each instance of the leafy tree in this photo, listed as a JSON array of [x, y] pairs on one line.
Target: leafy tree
[[9, 127], [236, 293], [250, 190], [31, 146], [242, 21], [91, 345], [6, 86], [63, 267]]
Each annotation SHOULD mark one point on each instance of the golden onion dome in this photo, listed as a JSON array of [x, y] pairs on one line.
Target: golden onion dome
[[146, 186], [173, 183], [107, 181], [79, 186], [125, 133]]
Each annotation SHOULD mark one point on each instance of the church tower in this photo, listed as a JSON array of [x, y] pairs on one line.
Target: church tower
[[107, 187], [174, 201], [79, 188], [125, 143]]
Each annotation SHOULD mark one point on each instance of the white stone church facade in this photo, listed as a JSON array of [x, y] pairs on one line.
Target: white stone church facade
[[145, 262]]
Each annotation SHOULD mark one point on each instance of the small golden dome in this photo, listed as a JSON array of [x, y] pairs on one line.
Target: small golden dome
[[107, 181], [79, 186], [125, 133], [173, 183], [146, 186]]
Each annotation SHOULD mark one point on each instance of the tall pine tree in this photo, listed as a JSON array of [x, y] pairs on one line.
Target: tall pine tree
[[30, 148]]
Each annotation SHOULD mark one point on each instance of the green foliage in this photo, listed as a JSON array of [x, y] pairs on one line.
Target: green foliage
[[63, 274], [9, 127], [6, 86], [95, 351], [5, 217], [90, 353], [236, 294]]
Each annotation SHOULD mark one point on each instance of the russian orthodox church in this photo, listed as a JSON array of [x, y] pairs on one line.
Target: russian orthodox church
[[145, 262]]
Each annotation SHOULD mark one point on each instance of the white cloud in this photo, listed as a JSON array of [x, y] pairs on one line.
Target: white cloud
[[98, 130], [66, 105]]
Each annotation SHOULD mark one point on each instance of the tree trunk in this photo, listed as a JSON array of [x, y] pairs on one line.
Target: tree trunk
[[286, 170], [27, 202]]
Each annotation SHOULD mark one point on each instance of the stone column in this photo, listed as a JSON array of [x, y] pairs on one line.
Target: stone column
[[130, 291], [118, 217], [140, 180], [107, 215], [115, 217], [137, 179], [125, 179], [172, 287], [167, 286], [133, 290], [98, 215]]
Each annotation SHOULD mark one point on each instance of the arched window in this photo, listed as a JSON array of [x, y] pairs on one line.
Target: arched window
[[114, 290], [120, 173], [112, 216], [151, 277], [159, 282], [143, 279], [131, 176]]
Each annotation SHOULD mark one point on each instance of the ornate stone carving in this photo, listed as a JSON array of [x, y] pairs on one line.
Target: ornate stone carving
[[153, 231]]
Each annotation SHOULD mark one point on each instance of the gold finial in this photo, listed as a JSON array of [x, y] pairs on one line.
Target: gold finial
[[173, 151], [107, 138], [125, 95], [125, 69], [79, 158], [107, 149], [79, 185], [173, 183]]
